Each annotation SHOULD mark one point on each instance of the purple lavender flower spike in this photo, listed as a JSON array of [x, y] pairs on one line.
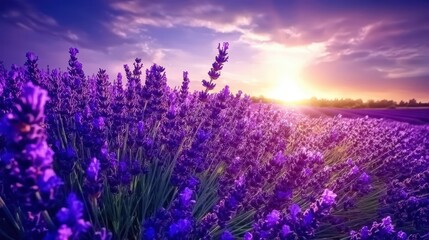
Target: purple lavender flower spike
[[248, 236], [149, 233], [387, 225], [102, 100], [226, 235], [214, 72], [383, 230], [364, 178], [65, 158], [181, 227], [401, 235], [328, 197], [24, 125], [285, 231], [124, 174], [75, 67], [63, 233], [99, 123], [278, 159], [364, 232], [32, 72], [31, 178], [93, 169], [185, 86], [71, 217], [294, 210], [272, 218], [31, 56], [354, 170], [186, 197]]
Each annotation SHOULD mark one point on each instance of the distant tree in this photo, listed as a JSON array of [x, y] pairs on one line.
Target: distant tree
[[412, 103], [358, 103], [346, 102]]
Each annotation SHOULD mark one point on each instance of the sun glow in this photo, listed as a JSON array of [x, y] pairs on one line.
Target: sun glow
[[283, 67], [287, 85], [288, 89]]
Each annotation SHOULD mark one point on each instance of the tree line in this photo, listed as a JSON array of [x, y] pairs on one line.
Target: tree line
[[347, 102]]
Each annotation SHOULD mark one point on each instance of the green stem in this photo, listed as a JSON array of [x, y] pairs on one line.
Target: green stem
[[9, 215], [45, 214]]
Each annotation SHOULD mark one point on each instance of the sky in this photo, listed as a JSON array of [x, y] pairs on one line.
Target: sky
[[289, 50]]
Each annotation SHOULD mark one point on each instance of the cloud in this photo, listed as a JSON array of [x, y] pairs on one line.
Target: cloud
[[358, 80], [134, 17], [75, 22]]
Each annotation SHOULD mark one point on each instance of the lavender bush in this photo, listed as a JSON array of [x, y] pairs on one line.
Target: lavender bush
[[86, 157]]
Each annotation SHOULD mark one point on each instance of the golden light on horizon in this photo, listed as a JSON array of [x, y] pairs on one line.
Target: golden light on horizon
[[288, 89], [285, 66]]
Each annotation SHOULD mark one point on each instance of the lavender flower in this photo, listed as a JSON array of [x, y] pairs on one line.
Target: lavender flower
[[102, 101], [401, 235], [328, 197], [272, 218], [226, 235], [65, 158], [214, 72], [279, 159], [28, 158], [93, 183], [248, 236], [75, 67], [93, 169], [185, 197], [153, 94], [180, 228], [383, 230], [70, 218], [33, 72], [286, 231], [185, 86]]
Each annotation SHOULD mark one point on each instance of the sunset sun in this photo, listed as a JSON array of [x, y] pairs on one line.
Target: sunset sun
[[288, 89], [287, 65]]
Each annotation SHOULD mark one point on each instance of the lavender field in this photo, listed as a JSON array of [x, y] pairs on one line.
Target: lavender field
[[409, 115], [127, 157]]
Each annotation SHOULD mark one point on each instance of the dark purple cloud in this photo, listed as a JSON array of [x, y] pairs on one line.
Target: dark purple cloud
[[77, 22]]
